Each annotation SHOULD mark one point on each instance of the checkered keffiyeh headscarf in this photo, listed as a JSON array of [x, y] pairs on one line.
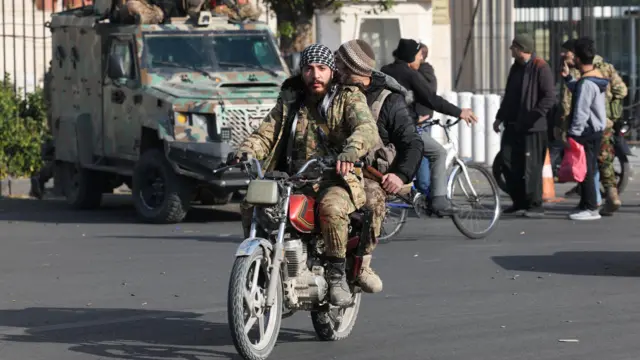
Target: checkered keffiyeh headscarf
[[317, 54]]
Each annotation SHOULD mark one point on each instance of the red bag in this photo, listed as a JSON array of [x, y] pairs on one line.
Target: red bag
[[574, 163]]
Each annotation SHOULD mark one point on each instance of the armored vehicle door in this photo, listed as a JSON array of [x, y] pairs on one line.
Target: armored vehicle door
[[122, 97]]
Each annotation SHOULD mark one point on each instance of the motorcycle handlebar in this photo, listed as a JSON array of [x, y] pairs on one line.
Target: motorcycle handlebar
[[326, 163]]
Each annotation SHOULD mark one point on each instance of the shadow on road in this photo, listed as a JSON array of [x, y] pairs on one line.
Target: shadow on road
[[115, 209], [127, 333], [593, 263], [235, 239]]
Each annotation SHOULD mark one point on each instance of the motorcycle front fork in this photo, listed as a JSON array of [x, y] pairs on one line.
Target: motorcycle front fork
[[278, 251]]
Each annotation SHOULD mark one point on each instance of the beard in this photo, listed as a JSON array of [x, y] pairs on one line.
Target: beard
[[317, 87]]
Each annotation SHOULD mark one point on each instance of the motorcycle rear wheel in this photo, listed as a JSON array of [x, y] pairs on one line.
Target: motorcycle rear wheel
[[327, 326], [246, 307]]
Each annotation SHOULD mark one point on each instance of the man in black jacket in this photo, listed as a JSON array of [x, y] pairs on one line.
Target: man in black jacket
[[355, 62], [426, 70], [404, 70], [529, 95]]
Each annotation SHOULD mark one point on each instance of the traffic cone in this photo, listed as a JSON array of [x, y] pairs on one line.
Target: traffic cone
[[548, 186]]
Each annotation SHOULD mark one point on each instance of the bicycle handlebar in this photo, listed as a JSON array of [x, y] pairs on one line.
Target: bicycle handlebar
[[447, 124]]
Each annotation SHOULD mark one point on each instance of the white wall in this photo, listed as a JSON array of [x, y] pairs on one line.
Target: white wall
[[414, 21]]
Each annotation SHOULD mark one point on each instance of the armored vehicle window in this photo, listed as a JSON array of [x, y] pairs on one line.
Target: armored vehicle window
[[122, 50], [216, 50]]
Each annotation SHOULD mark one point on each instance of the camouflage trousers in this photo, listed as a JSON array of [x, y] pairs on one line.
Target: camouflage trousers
[[605, 160], [376, 202], [334, 205]]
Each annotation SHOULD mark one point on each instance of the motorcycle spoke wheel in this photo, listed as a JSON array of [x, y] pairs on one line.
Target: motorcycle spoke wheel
[[254, 326], [336, 324]]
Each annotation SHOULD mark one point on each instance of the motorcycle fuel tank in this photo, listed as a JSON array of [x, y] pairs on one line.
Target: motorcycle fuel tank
[[302, 213]]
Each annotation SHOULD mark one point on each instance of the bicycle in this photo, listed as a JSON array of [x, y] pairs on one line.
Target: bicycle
[[459, 171]]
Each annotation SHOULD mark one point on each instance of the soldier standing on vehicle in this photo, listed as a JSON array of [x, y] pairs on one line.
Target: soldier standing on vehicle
[[351, 132], [616, 92]]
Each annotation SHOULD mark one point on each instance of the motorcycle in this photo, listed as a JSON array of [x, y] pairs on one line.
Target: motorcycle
[[280, 268], [621, 150]]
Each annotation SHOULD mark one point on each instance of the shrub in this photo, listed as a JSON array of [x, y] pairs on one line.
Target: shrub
[[23, 128]]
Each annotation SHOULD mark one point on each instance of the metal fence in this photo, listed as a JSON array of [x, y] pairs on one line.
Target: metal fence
[[26, 42]]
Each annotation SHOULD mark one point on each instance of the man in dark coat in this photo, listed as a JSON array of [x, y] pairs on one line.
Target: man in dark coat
[[427, 71], [529, 95], [404, 70]]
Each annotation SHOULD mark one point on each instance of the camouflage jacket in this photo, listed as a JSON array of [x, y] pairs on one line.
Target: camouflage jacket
[[616, 90], [349, 126], [241, 12]]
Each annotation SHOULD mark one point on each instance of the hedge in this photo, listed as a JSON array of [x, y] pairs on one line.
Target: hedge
[[23, 128]]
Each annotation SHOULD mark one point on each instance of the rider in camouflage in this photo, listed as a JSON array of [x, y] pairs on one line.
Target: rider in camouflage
[[616, 92], [350, 132]]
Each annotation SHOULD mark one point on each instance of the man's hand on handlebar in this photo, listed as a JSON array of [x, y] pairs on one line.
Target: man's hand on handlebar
[[468, 116], [343, 167], [391, 183], [234, 158]]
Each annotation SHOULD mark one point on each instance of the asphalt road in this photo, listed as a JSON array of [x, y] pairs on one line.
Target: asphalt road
[[98, 285]]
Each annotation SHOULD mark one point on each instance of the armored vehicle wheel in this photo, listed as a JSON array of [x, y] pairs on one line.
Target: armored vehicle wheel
[[159, 194], [82, 187]]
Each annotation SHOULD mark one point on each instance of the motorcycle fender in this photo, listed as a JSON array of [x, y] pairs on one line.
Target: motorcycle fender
[[620, 146], [248, 246]]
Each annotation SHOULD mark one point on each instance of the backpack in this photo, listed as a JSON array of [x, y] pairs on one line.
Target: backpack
[[381, 157]]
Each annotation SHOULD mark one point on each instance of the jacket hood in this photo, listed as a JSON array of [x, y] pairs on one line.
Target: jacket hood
[[380, 80], [601, 82]]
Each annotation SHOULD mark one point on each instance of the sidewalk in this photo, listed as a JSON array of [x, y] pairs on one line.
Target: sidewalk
[[21, 187]]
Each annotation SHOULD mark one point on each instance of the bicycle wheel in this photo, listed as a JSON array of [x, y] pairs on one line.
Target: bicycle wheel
[[394, 219], [469, 201]]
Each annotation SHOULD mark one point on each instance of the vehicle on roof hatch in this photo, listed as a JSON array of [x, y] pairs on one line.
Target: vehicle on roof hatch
[[157, 107]]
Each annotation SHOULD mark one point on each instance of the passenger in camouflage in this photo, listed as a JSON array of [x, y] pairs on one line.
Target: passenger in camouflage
[[399, 152], [616, 92], [351, 132]]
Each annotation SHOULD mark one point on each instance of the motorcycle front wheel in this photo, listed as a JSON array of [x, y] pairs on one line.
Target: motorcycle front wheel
[[247, 310], [336, 324]]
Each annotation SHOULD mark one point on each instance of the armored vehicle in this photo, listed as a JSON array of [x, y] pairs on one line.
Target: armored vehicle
[[157, 107]]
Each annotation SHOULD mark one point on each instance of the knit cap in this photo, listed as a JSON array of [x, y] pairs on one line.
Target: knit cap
[[524, 42], [358, 56]]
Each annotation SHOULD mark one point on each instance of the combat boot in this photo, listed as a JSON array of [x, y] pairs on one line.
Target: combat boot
[[339, 292], [612, 203], [368, 280]]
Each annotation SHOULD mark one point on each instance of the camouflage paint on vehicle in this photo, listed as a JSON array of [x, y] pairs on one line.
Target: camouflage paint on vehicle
[[182, 105]]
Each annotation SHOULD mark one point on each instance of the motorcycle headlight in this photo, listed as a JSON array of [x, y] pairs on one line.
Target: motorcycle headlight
[[624, 129]]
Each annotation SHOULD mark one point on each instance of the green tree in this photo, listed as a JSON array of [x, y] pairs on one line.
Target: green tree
[[295, 18], [23, 128]]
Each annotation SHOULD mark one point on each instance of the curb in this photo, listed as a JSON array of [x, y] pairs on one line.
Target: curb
[[22, 187], [15, 187]]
